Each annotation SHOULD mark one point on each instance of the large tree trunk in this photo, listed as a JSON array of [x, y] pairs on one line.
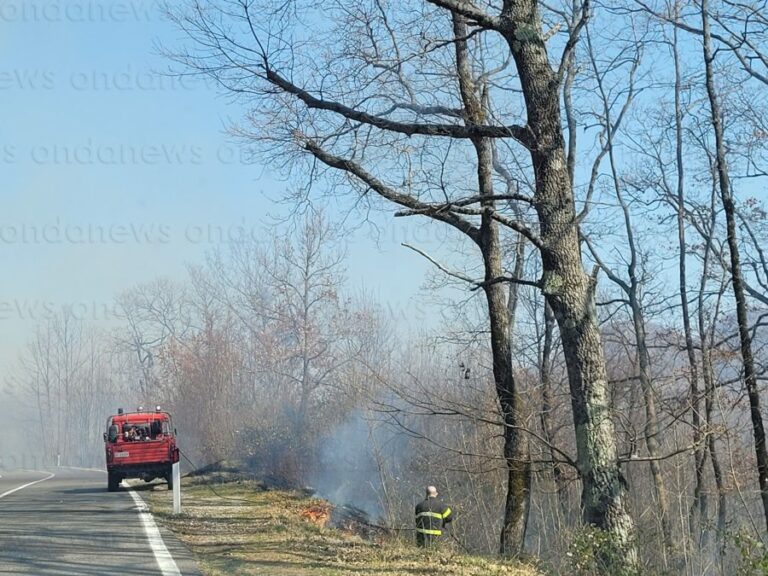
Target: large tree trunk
[[604, 490], [515, 440], [726, 195], [526, 472], [570, 292]]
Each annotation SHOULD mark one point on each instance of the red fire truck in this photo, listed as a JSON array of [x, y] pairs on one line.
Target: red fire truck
[[140, 444]]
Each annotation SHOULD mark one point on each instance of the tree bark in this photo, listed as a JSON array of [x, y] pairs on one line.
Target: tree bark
[[515, 439], [515, 445], [512, 304], [570, 291]]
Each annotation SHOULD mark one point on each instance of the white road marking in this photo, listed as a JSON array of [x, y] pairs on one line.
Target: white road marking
[[86, 469], [9, 492], [165, 561]]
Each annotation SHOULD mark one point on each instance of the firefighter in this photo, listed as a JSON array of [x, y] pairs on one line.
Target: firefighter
[[431, 516], [130, 433]]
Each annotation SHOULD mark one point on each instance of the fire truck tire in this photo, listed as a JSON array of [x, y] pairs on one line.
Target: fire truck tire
[[169, 477], [113, 482]]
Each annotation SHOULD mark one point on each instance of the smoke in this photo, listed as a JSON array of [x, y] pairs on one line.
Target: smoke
[[19, 434], [348, 471]]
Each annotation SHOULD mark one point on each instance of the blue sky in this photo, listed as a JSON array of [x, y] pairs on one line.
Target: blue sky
[[113, 175]]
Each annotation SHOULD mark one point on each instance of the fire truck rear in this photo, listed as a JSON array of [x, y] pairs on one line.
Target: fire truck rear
[[140, 444]]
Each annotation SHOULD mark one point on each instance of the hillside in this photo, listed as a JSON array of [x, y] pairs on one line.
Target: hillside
[[242, 528]]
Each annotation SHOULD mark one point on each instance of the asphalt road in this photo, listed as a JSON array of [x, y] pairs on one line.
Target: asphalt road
[[67, 523]]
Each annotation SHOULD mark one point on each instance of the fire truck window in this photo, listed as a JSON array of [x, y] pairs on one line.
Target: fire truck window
[[112, 434], [155, 429]]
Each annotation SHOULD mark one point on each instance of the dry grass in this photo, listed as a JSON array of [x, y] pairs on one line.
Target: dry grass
[[246, 530]]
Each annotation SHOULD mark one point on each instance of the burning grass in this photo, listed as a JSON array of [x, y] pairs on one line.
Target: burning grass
[[244, 530], [318, 514]]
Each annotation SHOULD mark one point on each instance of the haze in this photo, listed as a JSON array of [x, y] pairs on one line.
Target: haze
[[115, 174]]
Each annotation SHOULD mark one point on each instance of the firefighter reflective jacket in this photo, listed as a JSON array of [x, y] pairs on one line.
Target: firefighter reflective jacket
[[431, 516]]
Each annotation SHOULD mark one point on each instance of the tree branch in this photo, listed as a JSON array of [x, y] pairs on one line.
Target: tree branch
[[477, 284], [471, 12], [573, 38], [520, 133], [385, 191], [442, 268]]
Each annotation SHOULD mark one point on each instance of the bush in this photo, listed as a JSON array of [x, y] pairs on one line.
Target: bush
[[753, 553], [594, 553]]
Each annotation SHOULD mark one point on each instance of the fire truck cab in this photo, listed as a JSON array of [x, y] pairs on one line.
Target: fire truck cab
[[140, 444]]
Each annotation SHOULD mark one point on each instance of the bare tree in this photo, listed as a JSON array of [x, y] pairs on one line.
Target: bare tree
[[152, 314], [252, 59], [726, 196], [67, 374], [322, 334]]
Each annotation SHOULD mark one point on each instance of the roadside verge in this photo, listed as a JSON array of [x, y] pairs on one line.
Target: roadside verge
[[245, 529]]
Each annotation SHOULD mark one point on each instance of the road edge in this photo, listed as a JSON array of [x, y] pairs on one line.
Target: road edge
[[163, 557]]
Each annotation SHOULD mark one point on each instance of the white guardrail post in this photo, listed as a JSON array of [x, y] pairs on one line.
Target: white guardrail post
[[176, 472]]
